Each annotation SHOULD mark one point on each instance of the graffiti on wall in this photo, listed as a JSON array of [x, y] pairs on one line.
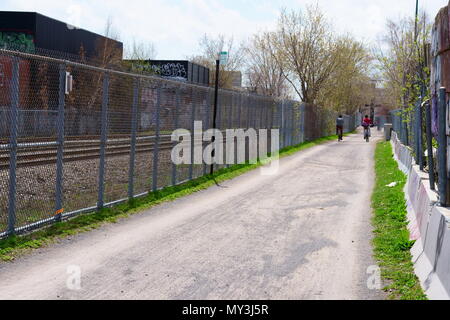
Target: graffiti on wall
[[141, 66], [170, 70], [17, 41]]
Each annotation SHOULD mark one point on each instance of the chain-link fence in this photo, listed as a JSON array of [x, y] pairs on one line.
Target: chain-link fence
[[109, 139], [423, 130]]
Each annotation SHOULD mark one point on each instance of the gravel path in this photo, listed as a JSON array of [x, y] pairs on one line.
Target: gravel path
[[303, 233]]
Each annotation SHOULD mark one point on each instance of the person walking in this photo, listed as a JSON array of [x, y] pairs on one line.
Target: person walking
[[340, 127]]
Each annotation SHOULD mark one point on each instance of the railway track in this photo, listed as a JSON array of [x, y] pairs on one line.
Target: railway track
[[42, 151], [45, 152]]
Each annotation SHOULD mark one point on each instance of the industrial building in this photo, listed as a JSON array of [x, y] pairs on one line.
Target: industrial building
[[26, 31]]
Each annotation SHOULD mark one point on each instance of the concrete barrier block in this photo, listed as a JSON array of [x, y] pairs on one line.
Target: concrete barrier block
[[430, 240], [417, 253], [442, 255], [432, 267], [422, 199], [428, 224], [387, 131], [402, 154]]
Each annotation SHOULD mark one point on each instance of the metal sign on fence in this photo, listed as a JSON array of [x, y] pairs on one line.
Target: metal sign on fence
[[69, 83]]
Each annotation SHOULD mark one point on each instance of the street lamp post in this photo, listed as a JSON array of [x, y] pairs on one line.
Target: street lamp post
[[223, 57], [216, 94]]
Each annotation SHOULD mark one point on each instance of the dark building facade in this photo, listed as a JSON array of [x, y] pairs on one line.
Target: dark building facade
[[27, 31]]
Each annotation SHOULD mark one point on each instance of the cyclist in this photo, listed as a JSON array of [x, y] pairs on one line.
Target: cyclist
[[340, 127], [366, 124]]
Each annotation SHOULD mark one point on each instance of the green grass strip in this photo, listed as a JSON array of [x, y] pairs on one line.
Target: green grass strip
[[391, 242], [14, 246]]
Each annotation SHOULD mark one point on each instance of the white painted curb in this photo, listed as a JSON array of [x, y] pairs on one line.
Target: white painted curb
[[429, 225]]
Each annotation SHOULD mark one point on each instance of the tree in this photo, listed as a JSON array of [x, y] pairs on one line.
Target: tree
[[210, 49], [349, 86], [306, 51], [85, 99], [402, 62], [140, 50], [108, 53], [138, 54], [264, 74]]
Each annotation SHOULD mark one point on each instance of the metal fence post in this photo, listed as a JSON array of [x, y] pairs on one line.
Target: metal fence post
[[266, 115], [296, 124], [271, 115], [419, 135], [134, 111], [191, 165], [251, 106], [286, 124], [156, 145], [302, 123], [407, 140], [103, 138], [429, 145], [415, 132], [291, 143], [60, 149], [287, 127], [402, 129], [232, 113], [442, 150], [248, 111], [218, 126], [282, 125], [258, 114], [289, 124], [177, 110], [207, 123], [239, 111], [219, 111], [230, 125], [14, 121], [251, 115]]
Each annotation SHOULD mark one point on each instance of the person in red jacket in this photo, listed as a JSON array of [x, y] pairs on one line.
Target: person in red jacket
[[366, 123]]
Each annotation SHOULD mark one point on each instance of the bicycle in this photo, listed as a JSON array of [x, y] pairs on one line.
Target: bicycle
[[366, 133]]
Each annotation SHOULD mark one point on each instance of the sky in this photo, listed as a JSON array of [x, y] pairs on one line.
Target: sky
[[176, 26]]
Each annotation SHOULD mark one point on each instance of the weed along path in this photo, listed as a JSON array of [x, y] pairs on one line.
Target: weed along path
[[303, 233]]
